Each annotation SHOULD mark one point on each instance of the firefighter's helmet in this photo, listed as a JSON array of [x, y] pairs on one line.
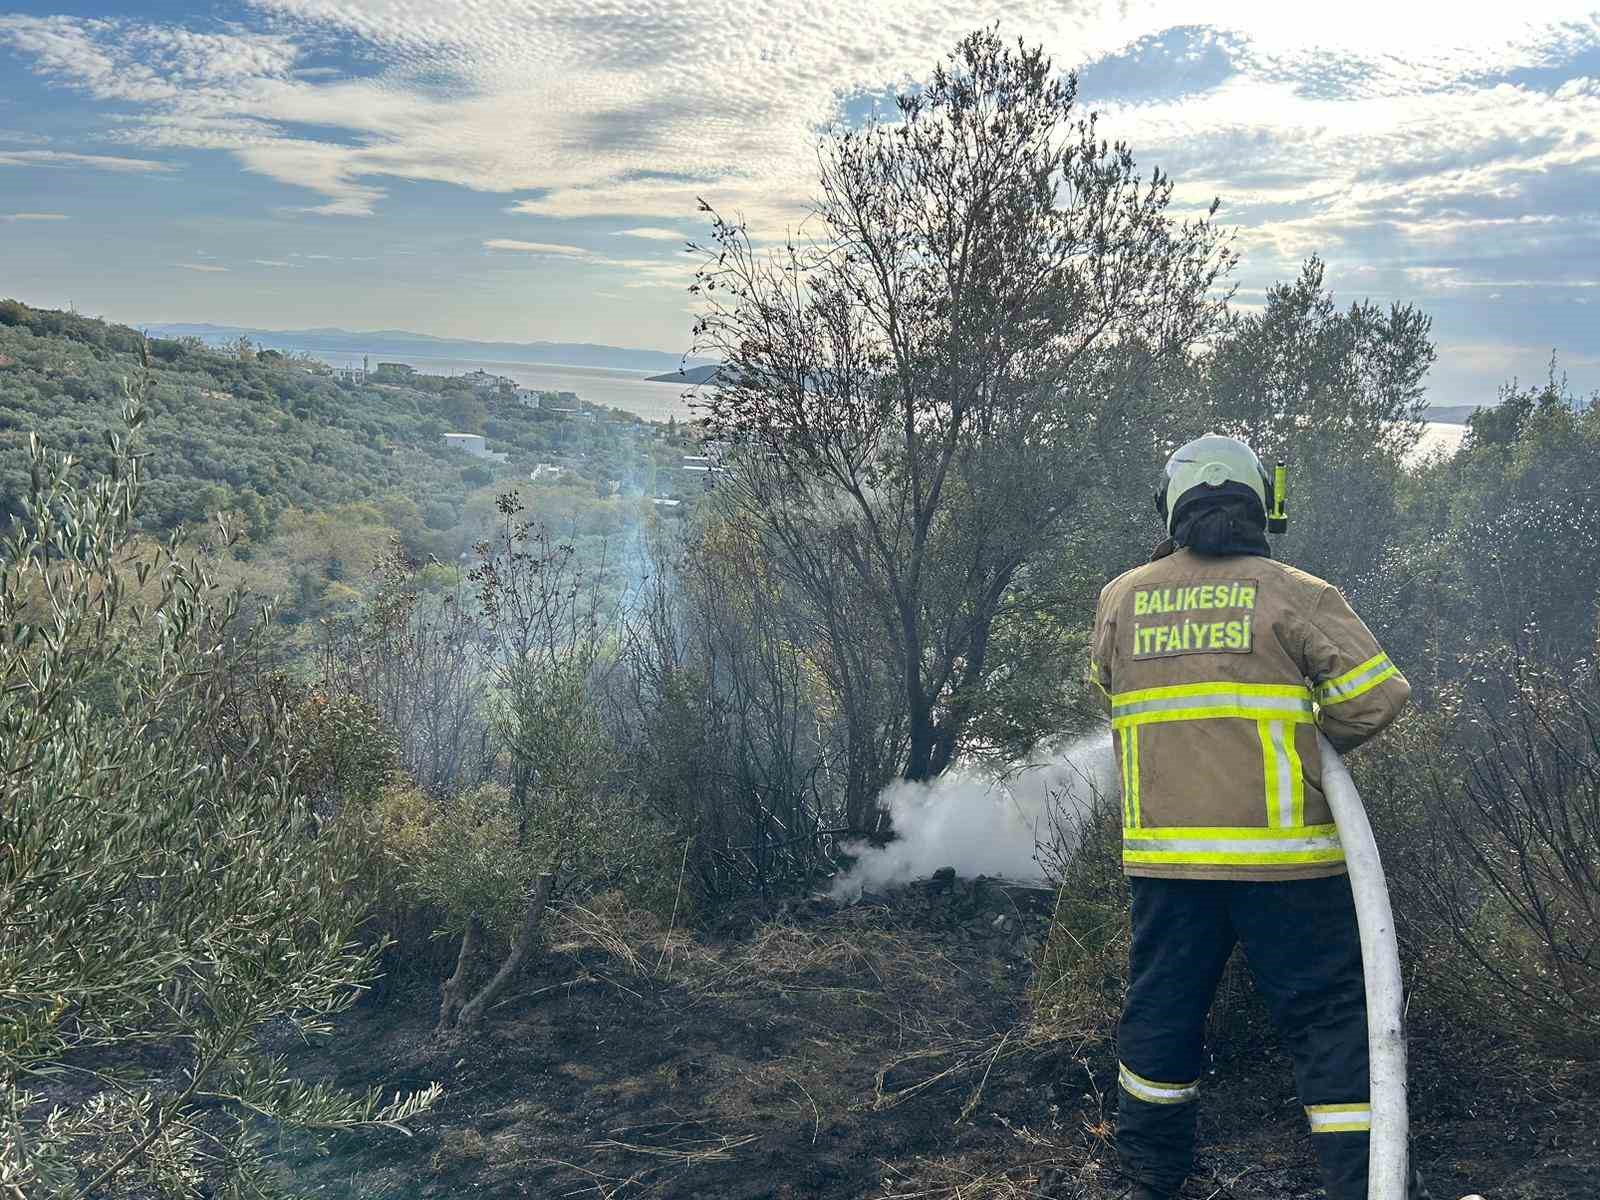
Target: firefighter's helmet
[[1214, 466]]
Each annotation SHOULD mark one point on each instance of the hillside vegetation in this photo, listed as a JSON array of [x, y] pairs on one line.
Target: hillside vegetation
[[321, 476], [551, 784]]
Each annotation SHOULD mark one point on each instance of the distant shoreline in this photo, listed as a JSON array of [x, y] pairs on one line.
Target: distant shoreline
[[399, 344]]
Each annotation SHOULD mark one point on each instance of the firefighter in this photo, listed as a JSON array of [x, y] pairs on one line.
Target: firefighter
[[1218, 666]]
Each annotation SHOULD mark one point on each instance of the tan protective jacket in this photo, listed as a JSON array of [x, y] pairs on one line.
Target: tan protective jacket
[[1217, 673]]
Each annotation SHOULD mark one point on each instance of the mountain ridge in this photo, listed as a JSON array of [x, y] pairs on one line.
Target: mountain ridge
[[689, 375], [395, 342]]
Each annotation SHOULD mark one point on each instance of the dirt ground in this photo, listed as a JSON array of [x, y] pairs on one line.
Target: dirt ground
[[873, 1050]]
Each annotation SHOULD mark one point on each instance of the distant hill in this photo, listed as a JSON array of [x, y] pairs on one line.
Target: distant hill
[[690, 376], [1450, 414], [398, 343], [263, 434]]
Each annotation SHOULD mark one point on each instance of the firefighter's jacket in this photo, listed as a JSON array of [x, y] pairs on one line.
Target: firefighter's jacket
[[1217, 673]]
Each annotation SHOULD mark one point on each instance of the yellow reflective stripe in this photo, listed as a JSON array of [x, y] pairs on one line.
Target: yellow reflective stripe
[[1127, 788], [1339, 1118], [1212, 701], [1255, 833], [1269, 771], [1232, 846], [1205, 689], [1296, 714], [1297, 781], [1214, 858], [1349, 676], [1131, 737], [1357, 682], [1149, 1090], [1360, 689], [1285, 782]]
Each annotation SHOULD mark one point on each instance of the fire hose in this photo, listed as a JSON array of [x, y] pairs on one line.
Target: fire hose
[[1387, 1169]]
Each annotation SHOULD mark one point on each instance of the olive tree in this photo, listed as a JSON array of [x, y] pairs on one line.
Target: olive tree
[[1339, 395], [161, 903], [912, 388]]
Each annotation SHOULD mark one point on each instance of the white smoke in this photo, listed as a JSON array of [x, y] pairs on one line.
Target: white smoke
[[978, 822]]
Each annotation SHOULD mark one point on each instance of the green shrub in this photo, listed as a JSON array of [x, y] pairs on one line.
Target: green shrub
[[155, 892]]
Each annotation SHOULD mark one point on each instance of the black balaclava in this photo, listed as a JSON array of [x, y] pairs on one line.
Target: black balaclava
[[1225, 526]]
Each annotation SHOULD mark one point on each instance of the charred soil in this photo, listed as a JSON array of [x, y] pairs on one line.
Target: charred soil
[[880, 1049]]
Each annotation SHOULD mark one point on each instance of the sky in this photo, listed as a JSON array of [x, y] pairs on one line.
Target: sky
[[530, 169]]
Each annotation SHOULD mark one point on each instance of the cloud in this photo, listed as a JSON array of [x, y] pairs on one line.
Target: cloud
[[97, 162], [207, 267], [1376, 134], [546, 249], [270, 262], [21, 137], [672, 272], [653, 233], [31, 216]]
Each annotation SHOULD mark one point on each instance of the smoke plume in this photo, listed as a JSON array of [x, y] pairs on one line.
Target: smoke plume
[[981, 823]]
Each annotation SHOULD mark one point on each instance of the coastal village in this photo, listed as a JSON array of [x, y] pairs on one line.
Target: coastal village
[[663, 462]]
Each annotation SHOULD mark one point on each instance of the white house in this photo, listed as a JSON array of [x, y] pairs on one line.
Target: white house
[[482, 381], [472, 443]]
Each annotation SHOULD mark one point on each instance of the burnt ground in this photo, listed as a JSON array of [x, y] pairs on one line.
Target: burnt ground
[[875, 1050]]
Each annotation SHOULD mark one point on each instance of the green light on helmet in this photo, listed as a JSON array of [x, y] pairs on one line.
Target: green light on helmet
[[1278, 514]]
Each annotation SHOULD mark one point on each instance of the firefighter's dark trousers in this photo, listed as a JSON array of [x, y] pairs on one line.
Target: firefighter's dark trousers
[[1300, 939]]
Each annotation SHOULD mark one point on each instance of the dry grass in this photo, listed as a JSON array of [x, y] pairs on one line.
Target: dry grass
[[1045, 1166], [631, 937], [666, 1148], [843, 975]]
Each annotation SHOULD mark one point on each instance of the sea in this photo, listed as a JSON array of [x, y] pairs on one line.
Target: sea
[[1436, 435], [610, 387], [632, 391]]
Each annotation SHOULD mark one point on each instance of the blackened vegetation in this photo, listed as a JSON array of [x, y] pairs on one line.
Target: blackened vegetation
[[1521, 896]]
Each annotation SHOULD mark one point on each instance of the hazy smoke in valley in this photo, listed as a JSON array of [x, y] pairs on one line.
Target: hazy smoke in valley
[[979, 823]]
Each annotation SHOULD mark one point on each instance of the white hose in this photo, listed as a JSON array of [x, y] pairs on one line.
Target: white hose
[[1380, 960]]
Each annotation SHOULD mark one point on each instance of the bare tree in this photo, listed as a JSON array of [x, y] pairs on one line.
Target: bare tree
[[722, 711], [913, 388], [1514, 872], [417, 662], [547, 644]]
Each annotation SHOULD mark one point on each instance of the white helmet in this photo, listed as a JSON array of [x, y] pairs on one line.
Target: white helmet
[[1214, 466]]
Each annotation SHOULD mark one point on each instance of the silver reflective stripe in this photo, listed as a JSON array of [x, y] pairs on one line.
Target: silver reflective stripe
[[1263, 847], [1152, 1092], [1339, 1118], [1351, 688], [1215, 700], [1284, 783]]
